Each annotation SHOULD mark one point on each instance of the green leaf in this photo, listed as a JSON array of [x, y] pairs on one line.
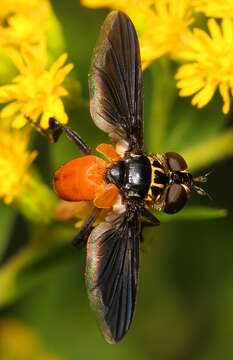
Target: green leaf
[[210, 151], [189, 126], [36, 201], [171, 122], [193, 213], [29, 266]]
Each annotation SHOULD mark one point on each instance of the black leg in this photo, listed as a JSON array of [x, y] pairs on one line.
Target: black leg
[[150, 217], [151, 221], [57, 128], [52, 133], [86, 228]]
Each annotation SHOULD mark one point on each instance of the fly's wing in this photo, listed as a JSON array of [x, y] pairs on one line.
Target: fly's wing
[[115, 83], [112, 272]]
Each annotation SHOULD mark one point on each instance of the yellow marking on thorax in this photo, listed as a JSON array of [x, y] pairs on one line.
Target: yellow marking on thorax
[[150, 196], [158, 169], [161, 186]]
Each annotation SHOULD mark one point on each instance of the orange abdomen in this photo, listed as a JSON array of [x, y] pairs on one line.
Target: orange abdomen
[[80, 178]]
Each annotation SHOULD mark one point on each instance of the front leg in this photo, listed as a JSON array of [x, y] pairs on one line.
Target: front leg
[[153, 221], [57, 129]]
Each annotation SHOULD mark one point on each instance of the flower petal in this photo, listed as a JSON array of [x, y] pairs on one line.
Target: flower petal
[[58, 64], [227, 28], [214, 30], [10, 109], [224, 91], [19, 121], [203, 97]]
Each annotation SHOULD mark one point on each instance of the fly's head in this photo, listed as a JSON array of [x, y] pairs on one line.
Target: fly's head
[[176, 182]]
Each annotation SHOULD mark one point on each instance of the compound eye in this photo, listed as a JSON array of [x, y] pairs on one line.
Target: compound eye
[[175, 199], [175, 161]]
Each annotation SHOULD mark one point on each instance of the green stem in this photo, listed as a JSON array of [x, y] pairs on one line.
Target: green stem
[[193, 213], [9, 273], [164, 90]]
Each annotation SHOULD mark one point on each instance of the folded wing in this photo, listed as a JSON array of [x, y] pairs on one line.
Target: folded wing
[[112, 272], [115, 83]]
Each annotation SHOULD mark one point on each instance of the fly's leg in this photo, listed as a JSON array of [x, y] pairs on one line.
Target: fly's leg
[[86, 227], [52, 133], [152, 220], [57, 128]]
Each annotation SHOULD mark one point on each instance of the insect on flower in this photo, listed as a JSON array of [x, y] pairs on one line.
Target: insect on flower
[[129, 183]]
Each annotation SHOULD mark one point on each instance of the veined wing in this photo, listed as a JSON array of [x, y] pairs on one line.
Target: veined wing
[[112, 272], [115, 83]]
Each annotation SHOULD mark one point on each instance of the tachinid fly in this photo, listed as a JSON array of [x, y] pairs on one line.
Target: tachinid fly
[[128, 183]]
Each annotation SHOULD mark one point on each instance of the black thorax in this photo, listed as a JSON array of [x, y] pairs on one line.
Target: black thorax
[[132, 176]]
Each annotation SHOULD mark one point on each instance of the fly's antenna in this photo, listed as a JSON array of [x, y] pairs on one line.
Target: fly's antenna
[[202, 179]]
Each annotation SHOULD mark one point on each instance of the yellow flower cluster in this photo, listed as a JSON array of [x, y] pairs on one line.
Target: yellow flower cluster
[[166, 29], [34, 94], [211, 64], [22, 21], [164, 26], [207, 58], [214, 8], [14, 161], [136, 9]]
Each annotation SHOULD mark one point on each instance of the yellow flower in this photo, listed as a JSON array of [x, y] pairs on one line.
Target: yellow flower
[[14, 162], [165, 33], [214, 8], [23, 21], [163, 24], [19, 342], [211, 64], [35, 93], [134, 8]]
